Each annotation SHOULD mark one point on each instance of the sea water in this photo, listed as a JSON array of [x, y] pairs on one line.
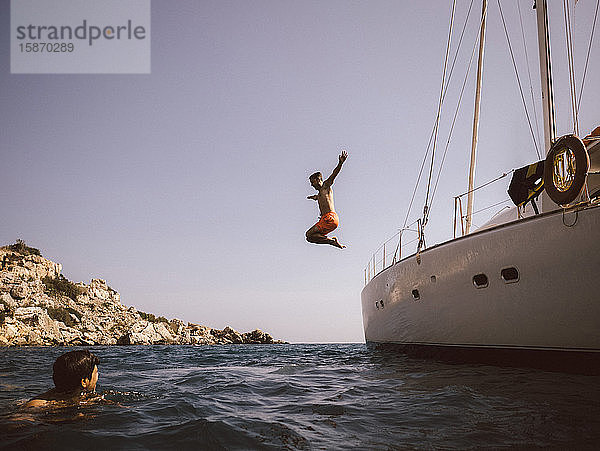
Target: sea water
[[314, 396]]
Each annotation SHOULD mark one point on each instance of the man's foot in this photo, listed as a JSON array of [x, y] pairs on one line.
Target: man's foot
[[336, 243]]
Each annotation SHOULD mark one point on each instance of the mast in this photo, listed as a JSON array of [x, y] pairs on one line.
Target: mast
[[476, 118], [547, 90], [546, 73]]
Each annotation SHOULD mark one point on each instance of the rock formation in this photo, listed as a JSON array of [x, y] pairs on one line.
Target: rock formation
[[40, 307]]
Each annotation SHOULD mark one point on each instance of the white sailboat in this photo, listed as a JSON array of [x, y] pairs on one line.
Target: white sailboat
[[523, 288]]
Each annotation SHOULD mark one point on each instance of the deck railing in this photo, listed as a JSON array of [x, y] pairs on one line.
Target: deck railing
[[395, 247], [390, 252]]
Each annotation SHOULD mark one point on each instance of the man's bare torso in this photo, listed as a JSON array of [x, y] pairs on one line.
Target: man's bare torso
[[325, 200]]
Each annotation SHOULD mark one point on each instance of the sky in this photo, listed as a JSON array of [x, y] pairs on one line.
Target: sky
[[185, 189]]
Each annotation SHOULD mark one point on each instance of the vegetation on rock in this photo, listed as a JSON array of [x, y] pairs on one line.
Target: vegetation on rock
[[21, 248], [62, 286], [153, 319], [64, 314], [5, 311]]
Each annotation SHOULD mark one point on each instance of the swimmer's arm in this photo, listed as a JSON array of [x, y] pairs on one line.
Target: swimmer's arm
[[28, 409], [336, 171], [40, 400], [314, 197], [36, 403]]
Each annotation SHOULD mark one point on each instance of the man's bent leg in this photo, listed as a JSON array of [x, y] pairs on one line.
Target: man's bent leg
[[314, 235], [317, 238]]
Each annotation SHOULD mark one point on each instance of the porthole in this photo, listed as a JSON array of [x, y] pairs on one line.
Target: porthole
[[415, 294], [480, 280], [510, 275]]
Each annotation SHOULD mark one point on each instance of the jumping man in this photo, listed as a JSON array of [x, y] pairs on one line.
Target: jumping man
[[329, 220]]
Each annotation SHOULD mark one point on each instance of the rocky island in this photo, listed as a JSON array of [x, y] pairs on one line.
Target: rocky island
[[40, 307]]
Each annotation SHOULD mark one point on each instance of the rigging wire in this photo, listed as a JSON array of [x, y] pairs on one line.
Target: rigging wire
[[537, 150], [418, 179], [569, 38], [490, 207], [437, 122], [478, 188], [457, 110], [455, 116], [587, 59], [433, 130], [504, 174], [533, 102], [458, 47]]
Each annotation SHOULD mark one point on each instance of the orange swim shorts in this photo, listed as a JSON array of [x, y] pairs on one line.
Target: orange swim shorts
[[328, 222]]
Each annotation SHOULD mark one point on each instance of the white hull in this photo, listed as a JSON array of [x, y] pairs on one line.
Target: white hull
[[554, 305]]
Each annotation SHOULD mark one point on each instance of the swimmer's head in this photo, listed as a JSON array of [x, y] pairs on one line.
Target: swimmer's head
[[76, 370], [316, 180]]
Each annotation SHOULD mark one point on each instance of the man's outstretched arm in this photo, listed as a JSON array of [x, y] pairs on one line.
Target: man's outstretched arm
[[337, 169]]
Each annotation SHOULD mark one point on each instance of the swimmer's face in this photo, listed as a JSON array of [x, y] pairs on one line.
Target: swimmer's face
[[90, 384]]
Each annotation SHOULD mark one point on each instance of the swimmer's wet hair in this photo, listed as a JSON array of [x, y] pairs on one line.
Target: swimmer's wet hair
[[70, 368], [315, 175]]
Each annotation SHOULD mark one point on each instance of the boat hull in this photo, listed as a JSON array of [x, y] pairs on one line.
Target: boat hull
[[432, 301]]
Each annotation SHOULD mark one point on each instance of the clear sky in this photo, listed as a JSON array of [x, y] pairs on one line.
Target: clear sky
[[186, 189]]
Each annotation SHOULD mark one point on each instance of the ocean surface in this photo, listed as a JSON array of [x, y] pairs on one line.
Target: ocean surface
[[329, 396]]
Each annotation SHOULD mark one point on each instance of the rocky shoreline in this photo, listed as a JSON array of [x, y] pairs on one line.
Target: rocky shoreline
[[40, 307]]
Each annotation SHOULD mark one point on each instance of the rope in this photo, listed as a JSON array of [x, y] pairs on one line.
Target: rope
[[569, 38], [587, 59], [518, 80]]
